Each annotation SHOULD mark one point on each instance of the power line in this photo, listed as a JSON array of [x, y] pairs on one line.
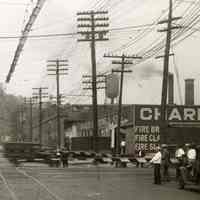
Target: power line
[[74, 33], [159, 45], [145, 33], [13, 4]]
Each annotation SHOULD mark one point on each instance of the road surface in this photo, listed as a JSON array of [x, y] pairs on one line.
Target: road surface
[[85, 183]]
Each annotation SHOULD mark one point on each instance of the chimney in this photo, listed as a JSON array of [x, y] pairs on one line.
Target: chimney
[[189, 91], [170, 88]]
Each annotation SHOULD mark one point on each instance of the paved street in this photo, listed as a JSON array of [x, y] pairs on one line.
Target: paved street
[[99, 183]]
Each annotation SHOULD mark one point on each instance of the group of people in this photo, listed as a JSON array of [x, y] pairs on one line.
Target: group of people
[[61, 158], [185, 154]]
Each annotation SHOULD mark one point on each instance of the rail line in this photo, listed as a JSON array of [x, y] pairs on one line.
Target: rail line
[[40, 183], [13, 194]]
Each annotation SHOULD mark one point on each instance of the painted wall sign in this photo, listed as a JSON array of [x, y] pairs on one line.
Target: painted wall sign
[[147, 123], [146, 137], [151, 113]]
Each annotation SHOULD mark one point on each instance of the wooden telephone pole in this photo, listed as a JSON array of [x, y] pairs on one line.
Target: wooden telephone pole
[[100, 79], [123, 62], [166, 65], [40, 95], [30, 102], [56, 66], [93, 18], [21, 116]]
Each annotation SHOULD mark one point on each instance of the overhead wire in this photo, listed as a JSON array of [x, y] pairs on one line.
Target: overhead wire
[[142, 60], [159, 46], [13, 4], [155, 49], [73, 34], [137, 28], [139, 35], [104, 5], [118, 14], [95, 6], [146, 32], [189, 26], [102, 2]]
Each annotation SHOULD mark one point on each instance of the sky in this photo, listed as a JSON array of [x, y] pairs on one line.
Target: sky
[[143, 85]]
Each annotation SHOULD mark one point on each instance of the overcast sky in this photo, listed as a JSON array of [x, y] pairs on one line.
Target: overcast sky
[[59, 16]]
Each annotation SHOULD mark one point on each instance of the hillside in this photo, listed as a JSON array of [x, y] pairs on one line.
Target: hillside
[[8, 107]]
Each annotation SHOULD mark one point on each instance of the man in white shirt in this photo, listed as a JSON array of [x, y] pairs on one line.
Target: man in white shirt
[[179, 153], [156, 160], [191, 157], [123, 147], [191, 154]]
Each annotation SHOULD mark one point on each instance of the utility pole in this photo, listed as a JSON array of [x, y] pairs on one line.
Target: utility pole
[[40, 95], [100, 79], [30, 102], [54, 98], [166, 64], [123, 62], [21, 121], [56, 66], [93, 18]]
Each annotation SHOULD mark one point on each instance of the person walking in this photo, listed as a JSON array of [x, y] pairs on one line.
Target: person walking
[[156, 160], [165, 162], [64, 158], [141, 158]]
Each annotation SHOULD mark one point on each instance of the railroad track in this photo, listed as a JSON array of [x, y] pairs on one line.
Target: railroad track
[[22, 186]]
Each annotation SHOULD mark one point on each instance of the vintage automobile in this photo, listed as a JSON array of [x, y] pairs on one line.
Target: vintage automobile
[[190, 174]]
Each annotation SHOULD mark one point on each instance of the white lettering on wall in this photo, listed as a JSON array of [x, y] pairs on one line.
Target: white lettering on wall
[[156, 114], [146, 114], [198, 114], [175, 115], [189, 114]]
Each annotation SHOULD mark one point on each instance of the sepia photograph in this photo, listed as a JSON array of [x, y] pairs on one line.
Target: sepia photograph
[[99, 100]]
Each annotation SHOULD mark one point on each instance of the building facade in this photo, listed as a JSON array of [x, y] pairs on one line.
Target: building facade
[[140, 126]]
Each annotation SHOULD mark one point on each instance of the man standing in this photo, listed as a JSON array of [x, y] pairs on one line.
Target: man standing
[[191, 154], [191, 158], [165, 162], [156, 160], [179, 155], [179, 152], [123, 147], [58, 157], [141, 157], [64, 158]]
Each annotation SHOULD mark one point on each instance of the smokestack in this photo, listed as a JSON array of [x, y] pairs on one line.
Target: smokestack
[[170, 88], [189, 91]]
